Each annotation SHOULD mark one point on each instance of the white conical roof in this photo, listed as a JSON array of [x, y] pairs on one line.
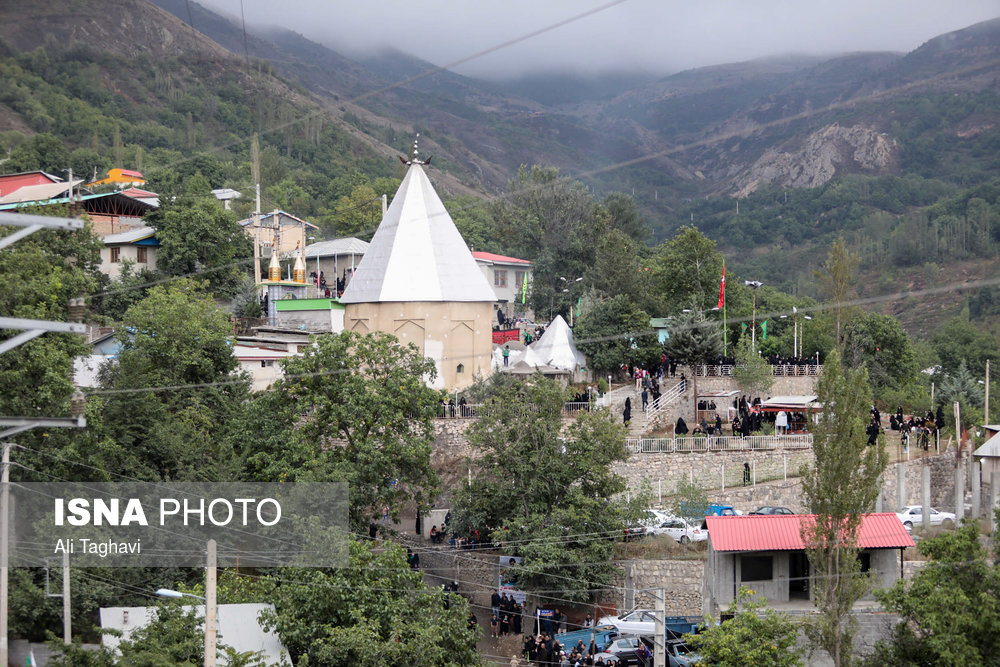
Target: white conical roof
[[417, 253], [555, 348]]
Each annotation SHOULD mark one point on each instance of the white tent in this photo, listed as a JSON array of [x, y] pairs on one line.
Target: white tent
[[555, 348]]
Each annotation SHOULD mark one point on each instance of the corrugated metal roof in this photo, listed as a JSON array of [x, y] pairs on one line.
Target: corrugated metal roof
[[264, 216], [417, 253], [131, 236], [989, 448], [782, 532], [42, 192], [502, 259], [348, 245]]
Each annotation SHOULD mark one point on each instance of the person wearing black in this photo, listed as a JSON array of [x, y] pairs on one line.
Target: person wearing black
[[495, 602], [746, 474], [627, 412], [681, 428], [872, 431]]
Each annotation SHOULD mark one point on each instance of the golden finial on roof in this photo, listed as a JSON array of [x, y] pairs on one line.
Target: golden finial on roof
[[299, 269]]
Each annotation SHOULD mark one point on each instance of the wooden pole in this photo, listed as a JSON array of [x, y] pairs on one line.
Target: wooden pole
[[986, 407]]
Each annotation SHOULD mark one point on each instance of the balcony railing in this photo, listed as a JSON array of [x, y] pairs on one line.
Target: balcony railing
[[718, 444]]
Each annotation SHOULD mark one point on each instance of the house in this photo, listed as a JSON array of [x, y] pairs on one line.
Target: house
[[12, 182], [109, 213], [336, 259], [137, 245], [237, 624], [40, 193], [146, 196], [120, 178], [419, 282], [989, 453], [508, 276], [767, 553], [262, 363], [288, 231]]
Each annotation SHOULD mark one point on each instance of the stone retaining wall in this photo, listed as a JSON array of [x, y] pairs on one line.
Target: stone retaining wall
[[709, 470], [681, 581]]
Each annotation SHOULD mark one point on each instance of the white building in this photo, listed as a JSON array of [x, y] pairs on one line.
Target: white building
[[138, 245]]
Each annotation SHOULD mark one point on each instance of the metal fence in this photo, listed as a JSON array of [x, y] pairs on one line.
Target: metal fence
[[476, 410], [779, 370], [719, 444]]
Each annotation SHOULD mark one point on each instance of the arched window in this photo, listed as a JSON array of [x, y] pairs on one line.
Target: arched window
[[460, 369]]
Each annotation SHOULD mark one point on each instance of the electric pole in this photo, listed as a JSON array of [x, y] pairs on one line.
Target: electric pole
[[211, 607]]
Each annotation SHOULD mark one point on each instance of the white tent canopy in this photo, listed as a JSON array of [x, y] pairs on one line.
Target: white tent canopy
[[556, 348]]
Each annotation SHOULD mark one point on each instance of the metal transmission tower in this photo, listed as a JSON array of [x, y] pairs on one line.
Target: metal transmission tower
[[10, 426]]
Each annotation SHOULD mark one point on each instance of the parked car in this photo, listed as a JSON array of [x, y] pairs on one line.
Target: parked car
[[653, 518], [768, 509], [635, 622], [679, 655], [626, 649], [682, 530], [914, 514]]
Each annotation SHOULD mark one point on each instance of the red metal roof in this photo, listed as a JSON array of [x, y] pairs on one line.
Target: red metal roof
[[782, 532], [491, 257], [130, 172], [136, 192]]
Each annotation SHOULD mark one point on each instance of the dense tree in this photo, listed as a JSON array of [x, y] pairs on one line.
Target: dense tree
[[555, 223], [688, 271], [44, 152], [752, 373], [474, 221], [842, 484], [615, 332], [44, 271], [376, 611], [755, 635], [623, 217], [950, 610], [352, 408], [546, 491], [620, 268], [174, 337], [879, 343], [197, 235], [694, 340], [958, 341]]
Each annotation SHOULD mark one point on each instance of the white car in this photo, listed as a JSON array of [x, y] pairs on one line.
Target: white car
[[635, 622], [654, 518], [682, 530], [912, 515]]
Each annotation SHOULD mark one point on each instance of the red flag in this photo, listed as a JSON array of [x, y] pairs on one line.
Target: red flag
[[722, 287]]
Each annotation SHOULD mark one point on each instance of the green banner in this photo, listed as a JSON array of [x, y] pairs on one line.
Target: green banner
[[763, 328]]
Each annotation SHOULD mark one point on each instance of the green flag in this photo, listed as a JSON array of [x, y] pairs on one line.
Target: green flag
[[744, 325], [763, 328], [578, 306], [524, 289]]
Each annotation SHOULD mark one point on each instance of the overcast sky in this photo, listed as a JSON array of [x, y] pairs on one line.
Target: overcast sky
[[658, 36]]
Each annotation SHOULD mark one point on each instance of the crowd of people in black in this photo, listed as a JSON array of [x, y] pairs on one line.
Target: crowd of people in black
[[506, 614], [922, 430], [546, 650]]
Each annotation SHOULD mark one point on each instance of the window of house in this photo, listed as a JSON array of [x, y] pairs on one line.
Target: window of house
[[519, 278], [142, 255], [500, 277], [460, 369], [116, 254], [756, 568]]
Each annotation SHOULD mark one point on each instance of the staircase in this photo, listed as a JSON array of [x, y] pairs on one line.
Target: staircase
[[656, 411]]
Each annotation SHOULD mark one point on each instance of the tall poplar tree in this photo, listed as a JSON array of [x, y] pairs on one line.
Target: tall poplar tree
[[836, 279], [842, 484]]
